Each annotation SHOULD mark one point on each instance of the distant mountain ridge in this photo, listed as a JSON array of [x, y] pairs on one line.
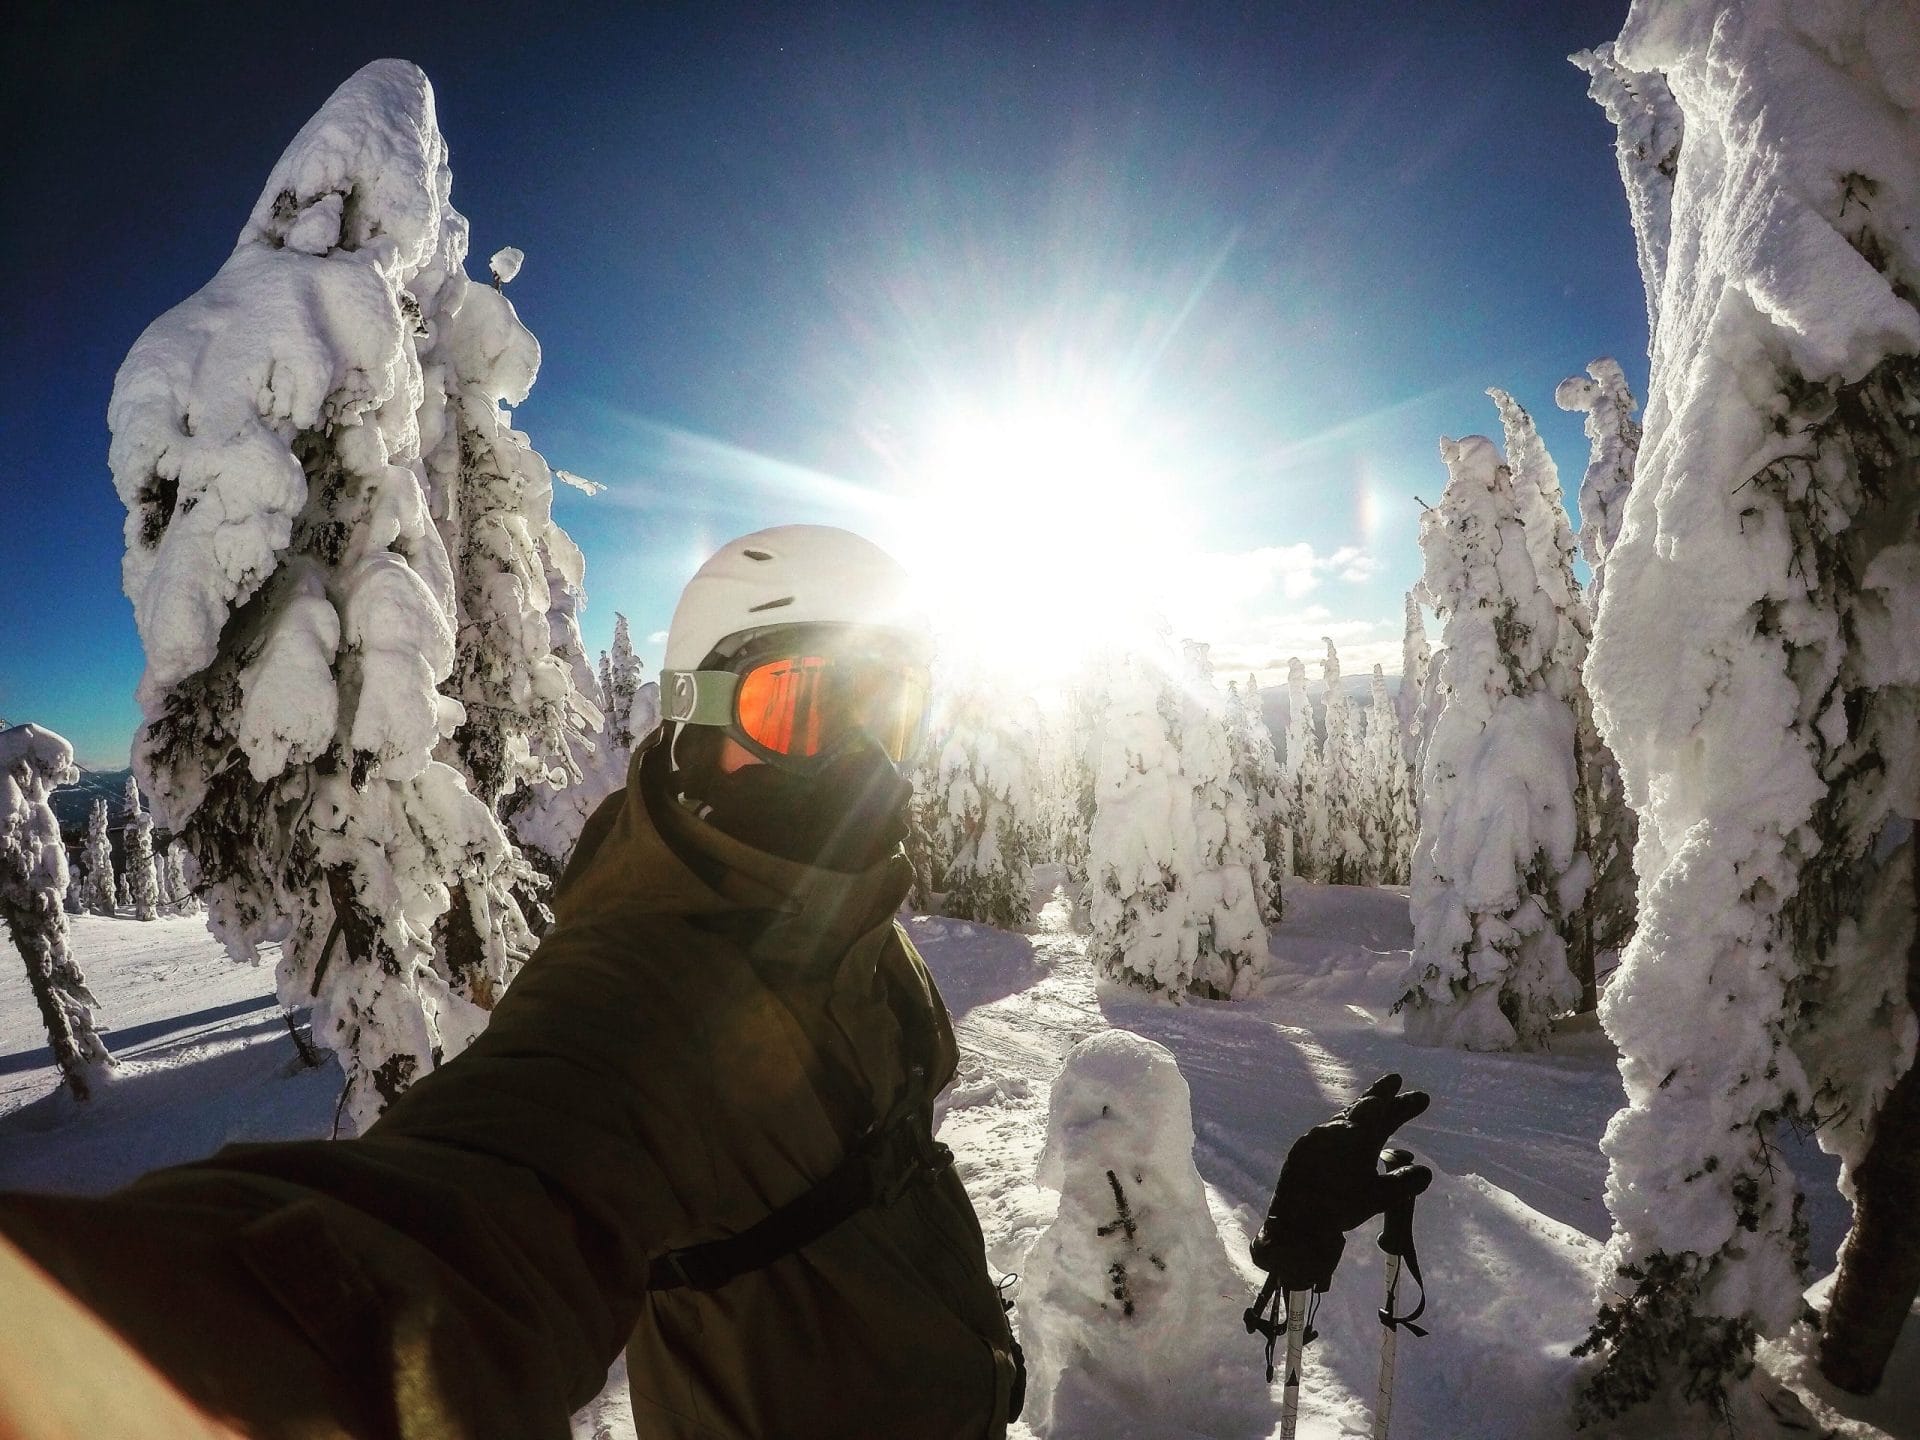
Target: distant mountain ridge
[[73, 804]]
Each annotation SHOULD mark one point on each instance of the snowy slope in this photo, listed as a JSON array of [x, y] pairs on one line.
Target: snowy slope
[[1510, 1235]]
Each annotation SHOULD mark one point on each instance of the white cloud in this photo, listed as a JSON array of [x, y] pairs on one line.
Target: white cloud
[[1264, 644], [1352, 564], [658, 637]]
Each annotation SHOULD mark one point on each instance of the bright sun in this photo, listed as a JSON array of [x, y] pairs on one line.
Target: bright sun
[[1040, 535]]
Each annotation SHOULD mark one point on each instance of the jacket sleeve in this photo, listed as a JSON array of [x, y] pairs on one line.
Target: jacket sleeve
[[472, 1265]]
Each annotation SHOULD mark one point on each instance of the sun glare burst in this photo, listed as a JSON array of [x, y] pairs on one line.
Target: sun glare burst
[[1041, 535]]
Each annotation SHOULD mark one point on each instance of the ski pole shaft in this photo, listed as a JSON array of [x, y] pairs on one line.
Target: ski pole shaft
[[1383, 1402], [1296, 1341]]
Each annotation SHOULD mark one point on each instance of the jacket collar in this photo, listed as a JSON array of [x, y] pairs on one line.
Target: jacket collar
[[798, 910]]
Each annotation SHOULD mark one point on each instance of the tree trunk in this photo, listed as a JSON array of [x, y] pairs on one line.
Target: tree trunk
[[28, 930], [466, 955], [1880, 1262]]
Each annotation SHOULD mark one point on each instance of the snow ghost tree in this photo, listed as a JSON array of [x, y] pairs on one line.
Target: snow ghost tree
[[298, 604], [1170, 896], [491, 497], [1256, 767], [1142, 834], [1387, 789], [1230, 859], [1414, 660], [546, 817], [33, 884], [1650, 127], [1075, 766], [1543, 519], [621, 674], [980, 802], [100, 892], [1756, 669], [1128, 1289], [1498, 822], [1348, 861], [179, 887], [143, 881], [122, 896], [1306, 791], [1613, 439]]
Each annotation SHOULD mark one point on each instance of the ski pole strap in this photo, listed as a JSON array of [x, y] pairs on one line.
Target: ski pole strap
[[1396, 1238], [877, 1170]]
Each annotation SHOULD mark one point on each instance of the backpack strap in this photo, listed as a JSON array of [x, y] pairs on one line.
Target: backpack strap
[[877, 1170]]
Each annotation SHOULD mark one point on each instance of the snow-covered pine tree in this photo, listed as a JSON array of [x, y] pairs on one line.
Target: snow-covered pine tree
[[981, 803], [1650, 127], [33, 884], [143, 883], [1349, 860], [491, 497], [1756, 669], [1388, 788], [74, 901], [1229, 859], [606, 680], [122, 897], [185, 902], [1077, 761], [546, 818], [1613, 438], [623, 684], [1306, 791], [1256, 765], [1497, 814], [1415, 657], [1543, 518], [101, 894], [1613, 443], [296, 601], [1139, 909]]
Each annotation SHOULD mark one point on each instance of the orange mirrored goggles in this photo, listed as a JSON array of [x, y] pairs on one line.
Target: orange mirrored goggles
[[800, 706]]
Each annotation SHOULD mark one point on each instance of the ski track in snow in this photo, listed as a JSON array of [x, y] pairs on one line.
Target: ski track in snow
[[1509, 1235]]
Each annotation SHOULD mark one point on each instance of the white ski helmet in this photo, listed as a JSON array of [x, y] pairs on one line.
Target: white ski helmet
[[792, 575]]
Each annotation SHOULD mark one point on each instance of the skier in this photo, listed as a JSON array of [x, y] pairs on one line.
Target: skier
[[699, 1124]]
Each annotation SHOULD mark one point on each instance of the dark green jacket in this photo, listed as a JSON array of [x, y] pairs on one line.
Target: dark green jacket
[[696, 1042]]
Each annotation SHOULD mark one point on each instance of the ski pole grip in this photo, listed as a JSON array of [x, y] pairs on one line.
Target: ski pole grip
[[1396, 1230]]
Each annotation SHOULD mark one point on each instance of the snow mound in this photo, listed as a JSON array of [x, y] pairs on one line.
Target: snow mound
[[1130, 1288]]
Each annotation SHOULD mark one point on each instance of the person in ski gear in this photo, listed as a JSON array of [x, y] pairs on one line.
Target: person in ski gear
[[699, 1123]]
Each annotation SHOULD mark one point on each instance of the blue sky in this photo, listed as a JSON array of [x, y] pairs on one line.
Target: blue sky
[[774, 252]]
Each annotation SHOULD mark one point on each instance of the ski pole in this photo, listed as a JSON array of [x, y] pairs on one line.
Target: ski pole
[[1396, 1241], [1389, 1343], [1290, 1391]]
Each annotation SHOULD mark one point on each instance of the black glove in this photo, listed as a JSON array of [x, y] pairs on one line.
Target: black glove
[[1332, 1181]]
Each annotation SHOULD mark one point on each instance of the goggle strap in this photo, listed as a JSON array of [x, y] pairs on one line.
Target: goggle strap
[[699, 697]]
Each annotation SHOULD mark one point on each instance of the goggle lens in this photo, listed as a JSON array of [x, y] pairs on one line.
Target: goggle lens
[[801, 705]]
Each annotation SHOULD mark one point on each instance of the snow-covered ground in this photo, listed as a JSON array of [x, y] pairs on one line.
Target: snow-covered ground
[[1510, 1235]]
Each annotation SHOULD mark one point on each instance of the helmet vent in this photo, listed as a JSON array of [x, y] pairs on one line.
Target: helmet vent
[[783, 601], [756, 554]]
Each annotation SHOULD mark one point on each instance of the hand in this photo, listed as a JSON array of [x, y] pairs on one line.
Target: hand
[[1333, 1181]]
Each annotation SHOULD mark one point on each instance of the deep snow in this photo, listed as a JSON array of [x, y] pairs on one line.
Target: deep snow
[[1510, 1235]]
